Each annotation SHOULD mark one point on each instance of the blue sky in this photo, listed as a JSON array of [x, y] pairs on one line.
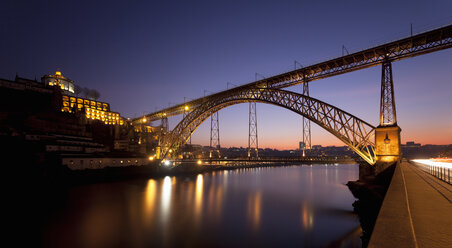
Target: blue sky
[[145, 55]]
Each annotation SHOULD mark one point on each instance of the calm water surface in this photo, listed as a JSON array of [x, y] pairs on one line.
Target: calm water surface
[[292, 206]]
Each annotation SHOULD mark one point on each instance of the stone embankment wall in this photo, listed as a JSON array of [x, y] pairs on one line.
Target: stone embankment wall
[[100, 163]]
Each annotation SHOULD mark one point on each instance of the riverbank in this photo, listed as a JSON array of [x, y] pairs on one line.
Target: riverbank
[[370, 190]]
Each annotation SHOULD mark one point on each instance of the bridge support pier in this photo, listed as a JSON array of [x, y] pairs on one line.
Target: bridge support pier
[[387, 140], [387, 134], [214, 135], [252, 131], [306, 125]]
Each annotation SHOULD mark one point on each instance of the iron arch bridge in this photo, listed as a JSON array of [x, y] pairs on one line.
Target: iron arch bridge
[[354, 132]]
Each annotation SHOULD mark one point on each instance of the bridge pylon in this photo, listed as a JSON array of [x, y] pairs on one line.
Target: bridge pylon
[[306, 125], [186, 108], [387, 134], [253, 145], [214, 135], [165, 125]]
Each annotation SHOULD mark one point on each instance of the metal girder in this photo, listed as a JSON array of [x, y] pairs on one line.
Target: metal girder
[[165, 125], [354, 132], [426, 42], [306, 125], [253, 144], [388, 115], [214, 135]]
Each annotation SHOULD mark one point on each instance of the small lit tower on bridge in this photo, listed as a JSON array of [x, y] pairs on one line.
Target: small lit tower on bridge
[[165, 125], [387, 134], [186, 112]]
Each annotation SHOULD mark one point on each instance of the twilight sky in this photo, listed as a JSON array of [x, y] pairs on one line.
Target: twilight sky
[[145, 55]]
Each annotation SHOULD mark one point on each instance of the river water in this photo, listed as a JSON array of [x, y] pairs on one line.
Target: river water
[[286, 206]]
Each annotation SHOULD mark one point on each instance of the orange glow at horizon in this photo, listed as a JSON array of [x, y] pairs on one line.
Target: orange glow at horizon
[[427, 138]]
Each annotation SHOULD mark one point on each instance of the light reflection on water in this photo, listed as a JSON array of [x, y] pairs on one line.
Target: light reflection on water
[[298, 206]]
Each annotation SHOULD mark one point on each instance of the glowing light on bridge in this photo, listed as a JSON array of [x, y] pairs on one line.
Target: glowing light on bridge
[[446, 163], [199, 162], [151, 158], [166, 162]]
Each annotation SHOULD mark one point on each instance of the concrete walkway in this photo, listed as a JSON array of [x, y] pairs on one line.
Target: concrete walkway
[[416, 211]]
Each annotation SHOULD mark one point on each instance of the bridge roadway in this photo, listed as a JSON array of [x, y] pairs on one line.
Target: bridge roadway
[[416, 211], [422, 43]]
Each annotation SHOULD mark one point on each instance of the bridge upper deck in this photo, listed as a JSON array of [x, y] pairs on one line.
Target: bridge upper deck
[[422, 43]]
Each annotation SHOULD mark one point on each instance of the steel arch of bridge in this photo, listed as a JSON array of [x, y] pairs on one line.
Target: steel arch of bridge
[[354, 132]]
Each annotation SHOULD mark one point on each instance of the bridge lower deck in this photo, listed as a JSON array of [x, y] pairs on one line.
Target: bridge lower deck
[[416, 212]]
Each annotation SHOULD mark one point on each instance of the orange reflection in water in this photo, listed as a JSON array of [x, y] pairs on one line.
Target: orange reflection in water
[[218, 203], [150, 198], [198, 196], [307, 216], [254, 209], [98, 226]]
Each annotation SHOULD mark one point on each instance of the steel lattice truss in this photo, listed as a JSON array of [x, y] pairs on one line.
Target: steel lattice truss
[[253, 144], [354, 132], [415, 45], [214, 135], [388, 115], [306, 125]]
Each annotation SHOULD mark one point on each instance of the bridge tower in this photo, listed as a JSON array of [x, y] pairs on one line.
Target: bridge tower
[[214, 135], [164, 131], [186, 111], [387, 134], [253, 145], [165, 126], [306, 125]]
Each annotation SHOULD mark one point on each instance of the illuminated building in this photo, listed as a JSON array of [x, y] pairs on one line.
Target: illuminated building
[[58, 80], [94, 110], [56, 106]]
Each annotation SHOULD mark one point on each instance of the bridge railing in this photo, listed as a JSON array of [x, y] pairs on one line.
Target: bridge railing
[[439, 170]]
